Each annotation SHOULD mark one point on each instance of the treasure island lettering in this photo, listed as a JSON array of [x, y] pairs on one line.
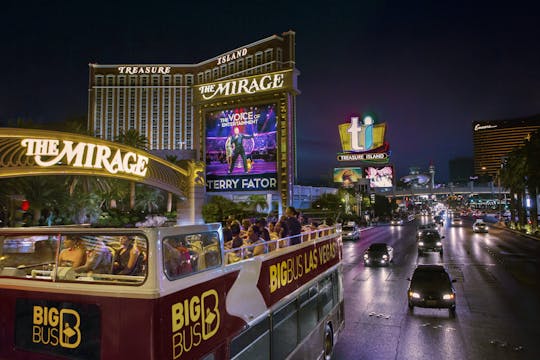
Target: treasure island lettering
[[243, 86], [85, 155]]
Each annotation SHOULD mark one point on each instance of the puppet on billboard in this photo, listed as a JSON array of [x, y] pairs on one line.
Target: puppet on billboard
[[237, 143], [380, 177]]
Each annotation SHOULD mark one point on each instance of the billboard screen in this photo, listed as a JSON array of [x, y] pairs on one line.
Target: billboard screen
[[380, 177], [241, 149], [347, 176]]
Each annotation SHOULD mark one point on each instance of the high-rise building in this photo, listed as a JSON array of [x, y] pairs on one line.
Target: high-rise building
[[494, 139], [248, 92]]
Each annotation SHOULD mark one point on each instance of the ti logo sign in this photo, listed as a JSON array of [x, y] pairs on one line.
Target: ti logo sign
[[361, 135]]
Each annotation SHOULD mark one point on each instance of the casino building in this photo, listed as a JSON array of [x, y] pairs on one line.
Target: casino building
[[494, 139], [235, 111]]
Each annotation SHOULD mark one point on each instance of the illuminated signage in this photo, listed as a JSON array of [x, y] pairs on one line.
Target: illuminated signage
[[232, 56], [66, 329], [347, 176], [132, 70], [194, 320], [245, 86], [371, 157], [241, 149], [380, 177], [361, 136], [50, 152], [281, 275], [483, 127]]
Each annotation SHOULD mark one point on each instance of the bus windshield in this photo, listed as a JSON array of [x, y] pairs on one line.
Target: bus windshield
[[120, 259]]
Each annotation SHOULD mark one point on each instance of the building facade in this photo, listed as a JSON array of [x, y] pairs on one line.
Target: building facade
[[173, 105], [494, 139]]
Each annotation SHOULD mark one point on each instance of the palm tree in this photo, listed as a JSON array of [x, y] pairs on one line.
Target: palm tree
[[513, 176], [256, 202], [149, 200], [39, 191], [532, 151], [134, 139]]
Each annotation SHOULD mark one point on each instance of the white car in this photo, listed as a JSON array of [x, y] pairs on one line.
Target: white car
[[480, 226]]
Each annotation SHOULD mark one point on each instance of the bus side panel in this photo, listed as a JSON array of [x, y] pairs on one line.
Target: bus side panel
[[43, 326], [195, 322]]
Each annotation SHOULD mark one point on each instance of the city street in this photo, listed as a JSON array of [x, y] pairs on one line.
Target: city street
[[497, 296]]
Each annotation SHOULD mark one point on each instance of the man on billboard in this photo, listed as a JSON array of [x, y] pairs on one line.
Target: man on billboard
[[237, 144]]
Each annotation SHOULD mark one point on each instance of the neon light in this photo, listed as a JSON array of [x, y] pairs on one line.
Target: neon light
[[85, 155]]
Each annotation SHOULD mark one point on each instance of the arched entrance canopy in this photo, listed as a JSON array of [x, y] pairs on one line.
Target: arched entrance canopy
[[31, 152]]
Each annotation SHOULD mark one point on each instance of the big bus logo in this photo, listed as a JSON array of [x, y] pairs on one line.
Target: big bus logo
[[193, 320], [54, 327]]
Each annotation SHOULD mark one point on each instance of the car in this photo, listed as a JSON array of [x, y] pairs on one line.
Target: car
[[428, 226], [456, 221], [396, 221], [480, 226], [350, 232], [430, 240], [431, 287], [439, 220], [378, 254]]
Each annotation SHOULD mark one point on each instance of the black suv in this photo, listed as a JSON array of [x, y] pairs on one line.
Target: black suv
[[431, 287], [430, 240]]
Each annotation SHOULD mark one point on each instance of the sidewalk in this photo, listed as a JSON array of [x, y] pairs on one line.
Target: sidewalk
[[498, 225]]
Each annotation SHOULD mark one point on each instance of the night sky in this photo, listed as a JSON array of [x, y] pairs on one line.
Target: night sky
[[427, 69]]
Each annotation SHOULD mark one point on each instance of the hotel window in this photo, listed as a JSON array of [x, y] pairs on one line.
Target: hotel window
[[231, 67], [98, 110], [207, 75], [166, 113], [268, 58], [200, 78], [258, 62], [279, 58], [121, 123], [240, 65], [223, 70], [177, 111], [189, 114], [155, 112], [215, 73], [132, 106], [143, 126], [249, 64], [109, 118]]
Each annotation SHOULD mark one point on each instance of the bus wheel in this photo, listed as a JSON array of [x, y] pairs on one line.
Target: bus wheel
[[328, 341]]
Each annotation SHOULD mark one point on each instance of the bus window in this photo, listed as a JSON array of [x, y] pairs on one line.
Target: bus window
[[325, 296], [191, 253], [253, 343], [284, 331], [24, 256], [308, 311]]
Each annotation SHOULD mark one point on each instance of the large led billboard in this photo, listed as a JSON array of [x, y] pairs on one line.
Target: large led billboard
[[381, 177], [347, 176], [241, 149]]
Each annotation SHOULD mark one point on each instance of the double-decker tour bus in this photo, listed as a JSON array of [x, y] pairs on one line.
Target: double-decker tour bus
[[166, 293]]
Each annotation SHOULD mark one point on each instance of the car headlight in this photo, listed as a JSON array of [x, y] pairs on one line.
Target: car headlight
[[448, 296], [439, 243], [421, 243], [349, 234], [414, 295], [419, 233], [385, 257], [366, 256]]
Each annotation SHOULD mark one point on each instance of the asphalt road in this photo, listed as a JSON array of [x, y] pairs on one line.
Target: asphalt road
[[497, 297]]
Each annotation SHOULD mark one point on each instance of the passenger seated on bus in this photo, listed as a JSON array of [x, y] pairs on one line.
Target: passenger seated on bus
[[177, 257], [235, 243], [127, 259], [98, 259], [74, 252], [254, 238]]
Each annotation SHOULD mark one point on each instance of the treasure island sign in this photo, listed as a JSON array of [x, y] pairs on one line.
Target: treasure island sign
[[28, 152]]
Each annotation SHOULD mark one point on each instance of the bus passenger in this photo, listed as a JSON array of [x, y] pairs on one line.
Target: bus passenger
[[74, 254], [254, 238], [177, 257], [98, 259], [235, 243], [294, 227], [127, 259]]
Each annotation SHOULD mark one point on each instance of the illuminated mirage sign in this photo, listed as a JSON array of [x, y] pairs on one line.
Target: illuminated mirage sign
[[244, 86], [85, 155]]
